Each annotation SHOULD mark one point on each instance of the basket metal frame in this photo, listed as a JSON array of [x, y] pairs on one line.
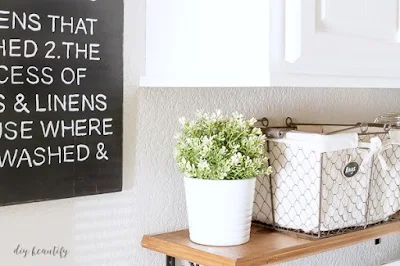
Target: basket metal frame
[[324, 234]]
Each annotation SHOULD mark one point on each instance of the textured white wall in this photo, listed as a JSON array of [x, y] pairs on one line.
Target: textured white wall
[[106, 230]]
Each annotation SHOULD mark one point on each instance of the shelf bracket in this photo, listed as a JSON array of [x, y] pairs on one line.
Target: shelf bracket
[[170, 261]]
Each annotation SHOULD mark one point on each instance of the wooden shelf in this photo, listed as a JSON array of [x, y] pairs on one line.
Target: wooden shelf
[[265, 246]]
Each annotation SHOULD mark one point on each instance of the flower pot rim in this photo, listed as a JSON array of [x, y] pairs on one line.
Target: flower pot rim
[[221, 180]]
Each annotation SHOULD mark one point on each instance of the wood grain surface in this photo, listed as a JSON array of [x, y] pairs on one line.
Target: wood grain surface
[[264, 248]]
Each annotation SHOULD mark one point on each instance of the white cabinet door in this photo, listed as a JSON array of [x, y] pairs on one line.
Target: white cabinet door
[[198, 43], [335, 43]]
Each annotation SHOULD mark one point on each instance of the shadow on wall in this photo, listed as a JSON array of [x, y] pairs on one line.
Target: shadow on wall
[[104, 229]]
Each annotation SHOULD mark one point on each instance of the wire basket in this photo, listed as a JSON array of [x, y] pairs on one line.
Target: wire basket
[[329, 179]]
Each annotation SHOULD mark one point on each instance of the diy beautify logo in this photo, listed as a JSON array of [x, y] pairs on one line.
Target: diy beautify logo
[[55, 251]]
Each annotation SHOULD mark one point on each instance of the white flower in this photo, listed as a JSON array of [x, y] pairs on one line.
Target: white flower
[[252, 121], [235, 159], [189, 167], [203, 165], [238, 116], [223, 175], [252, 139], [204, 151], [215, 116], [207, 141], [257, 131]]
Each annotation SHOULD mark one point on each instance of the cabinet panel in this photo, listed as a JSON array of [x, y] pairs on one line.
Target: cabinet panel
[[357, 38], [363, 18], [236, 43]]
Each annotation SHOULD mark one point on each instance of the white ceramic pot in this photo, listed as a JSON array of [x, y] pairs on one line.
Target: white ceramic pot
[[219, 211]]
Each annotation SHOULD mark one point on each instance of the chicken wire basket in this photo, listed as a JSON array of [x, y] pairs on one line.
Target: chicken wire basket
[[329, 179]]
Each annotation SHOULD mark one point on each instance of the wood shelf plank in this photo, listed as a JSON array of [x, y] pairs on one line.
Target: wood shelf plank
[[264, 248]]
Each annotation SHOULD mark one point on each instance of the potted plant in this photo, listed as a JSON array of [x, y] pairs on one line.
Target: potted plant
[[220, 157]]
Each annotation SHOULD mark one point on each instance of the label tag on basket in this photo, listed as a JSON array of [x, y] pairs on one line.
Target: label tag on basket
[[351, 169]]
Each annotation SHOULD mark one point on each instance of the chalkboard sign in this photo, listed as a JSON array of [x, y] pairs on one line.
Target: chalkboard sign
[[61, 96]]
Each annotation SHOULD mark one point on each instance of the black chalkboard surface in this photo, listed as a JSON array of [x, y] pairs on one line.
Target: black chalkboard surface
[[61, 96]]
